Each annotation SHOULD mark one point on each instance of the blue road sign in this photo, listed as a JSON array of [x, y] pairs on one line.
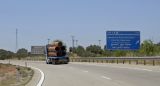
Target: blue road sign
[[123, 40]]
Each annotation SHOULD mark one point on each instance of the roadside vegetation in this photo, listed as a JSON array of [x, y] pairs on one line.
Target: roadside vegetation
[[11, 75], [148, 48]]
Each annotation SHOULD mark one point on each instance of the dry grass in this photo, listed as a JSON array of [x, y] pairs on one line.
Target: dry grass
[[11, 75]]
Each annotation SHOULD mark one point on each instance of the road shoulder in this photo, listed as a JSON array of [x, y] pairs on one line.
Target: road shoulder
[[35, 79]]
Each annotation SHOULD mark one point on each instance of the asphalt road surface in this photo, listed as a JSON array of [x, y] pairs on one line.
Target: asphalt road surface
[[93, 74]]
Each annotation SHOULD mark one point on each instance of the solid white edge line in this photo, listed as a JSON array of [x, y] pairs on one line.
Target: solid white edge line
[[42, 76]]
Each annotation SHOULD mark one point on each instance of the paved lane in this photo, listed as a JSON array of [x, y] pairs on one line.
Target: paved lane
[[92, 74], [78, 74], [124, 75]]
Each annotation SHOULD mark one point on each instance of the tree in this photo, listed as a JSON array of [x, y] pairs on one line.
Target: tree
[[147, 48], [80, 51], [94, 49], [119, 53], [157, 48], [70, 49], [4, 54], [22, 53]]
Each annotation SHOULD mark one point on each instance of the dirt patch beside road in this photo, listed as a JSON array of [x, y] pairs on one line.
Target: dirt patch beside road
[[12, 75]]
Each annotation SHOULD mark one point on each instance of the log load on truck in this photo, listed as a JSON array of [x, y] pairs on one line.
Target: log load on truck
[[56, 53]]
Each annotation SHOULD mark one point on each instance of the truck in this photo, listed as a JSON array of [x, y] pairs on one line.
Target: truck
[[56, 53]]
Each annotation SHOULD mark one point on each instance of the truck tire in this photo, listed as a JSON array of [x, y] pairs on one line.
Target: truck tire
[[48, 62], [66, 63]]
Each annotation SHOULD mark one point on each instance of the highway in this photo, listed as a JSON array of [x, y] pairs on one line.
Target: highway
[[94, 74]]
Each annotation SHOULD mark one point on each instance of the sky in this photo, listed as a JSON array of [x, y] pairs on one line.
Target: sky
[[86, 20]]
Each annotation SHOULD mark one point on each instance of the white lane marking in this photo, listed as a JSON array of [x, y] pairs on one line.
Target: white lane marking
[[42, 76], [85, 71], [133, 68], [106, 77]]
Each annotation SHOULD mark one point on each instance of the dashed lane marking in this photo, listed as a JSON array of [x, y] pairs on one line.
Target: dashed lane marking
[[106, 77]]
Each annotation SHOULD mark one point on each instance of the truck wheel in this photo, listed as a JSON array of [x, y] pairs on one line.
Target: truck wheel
[[50, 62]]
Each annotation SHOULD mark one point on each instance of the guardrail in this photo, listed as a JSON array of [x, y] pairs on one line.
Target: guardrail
[[125, 60]]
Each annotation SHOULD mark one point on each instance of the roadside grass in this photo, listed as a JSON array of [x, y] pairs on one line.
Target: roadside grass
[[12, 75]]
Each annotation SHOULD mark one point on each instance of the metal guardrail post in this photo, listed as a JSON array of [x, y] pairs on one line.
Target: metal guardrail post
[[136, 62], [102, 60], [144, 62], [153, 62], [117, 61], [123, 61], [129, 61], [112, 61], [106, 61]]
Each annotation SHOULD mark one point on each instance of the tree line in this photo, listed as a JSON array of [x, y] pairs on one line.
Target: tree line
[[147, 48], [21, 53]]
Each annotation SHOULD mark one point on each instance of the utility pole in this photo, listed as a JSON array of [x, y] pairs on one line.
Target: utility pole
[[48, 41], [16, 40], [76, 43], [72, 41], [99, 42], [17, 73]]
